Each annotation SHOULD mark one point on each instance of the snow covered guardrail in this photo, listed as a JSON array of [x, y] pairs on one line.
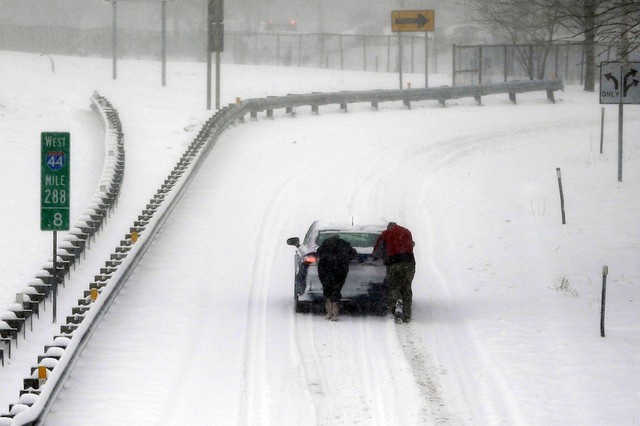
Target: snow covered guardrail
[[38, 289], [62, 354], [103, 291], [440, 94], [69, 251]]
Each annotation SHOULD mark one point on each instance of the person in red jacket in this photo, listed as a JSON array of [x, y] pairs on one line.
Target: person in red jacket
[[396, 244]]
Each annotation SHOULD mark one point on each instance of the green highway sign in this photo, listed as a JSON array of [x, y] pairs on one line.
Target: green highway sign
[[54, 180]]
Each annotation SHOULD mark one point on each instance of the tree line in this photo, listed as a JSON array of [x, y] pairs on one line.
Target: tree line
[[614, 23]]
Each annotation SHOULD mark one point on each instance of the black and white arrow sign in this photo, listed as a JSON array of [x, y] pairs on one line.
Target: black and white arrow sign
[[618, 83]]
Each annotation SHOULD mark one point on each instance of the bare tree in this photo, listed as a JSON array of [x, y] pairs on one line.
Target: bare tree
[[580, 19], [614, 23], [521, 23], [619, 25]]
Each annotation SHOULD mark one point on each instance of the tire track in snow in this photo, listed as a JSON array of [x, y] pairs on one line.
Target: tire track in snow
[[351, 375], [426, 372], [468, 360], [370, 373], [432, 407], [255, 390], [310, 362]]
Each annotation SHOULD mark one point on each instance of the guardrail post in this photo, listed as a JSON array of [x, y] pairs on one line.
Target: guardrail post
[[364, 51], [238, 103], [341, 54], [480, 63], [8, 343], [550, 96]]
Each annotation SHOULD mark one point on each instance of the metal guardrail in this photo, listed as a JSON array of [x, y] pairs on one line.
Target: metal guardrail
[[121, 264], [131, 250], [68, 252], [440, 94], [28, 301]]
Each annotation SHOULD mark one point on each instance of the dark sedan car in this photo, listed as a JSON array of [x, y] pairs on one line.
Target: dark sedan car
[[366, 283]]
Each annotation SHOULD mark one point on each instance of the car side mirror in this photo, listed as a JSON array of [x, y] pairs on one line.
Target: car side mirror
[[294, 241]]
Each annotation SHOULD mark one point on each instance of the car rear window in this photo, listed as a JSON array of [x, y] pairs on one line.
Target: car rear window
[[356, 239]]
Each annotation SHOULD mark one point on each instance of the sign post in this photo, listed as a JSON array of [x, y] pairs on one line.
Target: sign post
[[114, 40], [55, 164], [413, 21], [619, 85], [215, 43], [163, 48]]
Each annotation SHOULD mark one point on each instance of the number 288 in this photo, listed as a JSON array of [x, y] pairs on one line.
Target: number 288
[[55, 196]]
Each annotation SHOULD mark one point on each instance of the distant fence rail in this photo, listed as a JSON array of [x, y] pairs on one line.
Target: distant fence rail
[[480, 64], [469, 64], [367, 52]]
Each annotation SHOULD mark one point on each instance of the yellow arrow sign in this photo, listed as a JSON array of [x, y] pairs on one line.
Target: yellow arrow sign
[[412, 20]]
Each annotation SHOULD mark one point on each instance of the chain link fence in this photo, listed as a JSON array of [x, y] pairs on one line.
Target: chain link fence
[[362, 52], [482, 64], [339, 51], [468, 64]]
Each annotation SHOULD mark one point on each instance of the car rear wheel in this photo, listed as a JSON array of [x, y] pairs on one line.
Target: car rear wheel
[[301, 307]]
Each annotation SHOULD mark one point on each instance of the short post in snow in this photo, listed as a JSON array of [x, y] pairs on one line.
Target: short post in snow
[[605, 271], [561, 195], [601, 130]]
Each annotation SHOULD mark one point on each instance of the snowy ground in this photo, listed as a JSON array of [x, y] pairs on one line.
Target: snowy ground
[[506, 298]]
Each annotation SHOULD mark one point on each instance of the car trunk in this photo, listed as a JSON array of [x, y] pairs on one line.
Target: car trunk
[[366, 279]]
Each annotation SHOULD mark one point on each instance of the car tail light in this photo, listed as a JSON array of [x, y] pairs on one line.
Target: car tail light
[[293, 22], [310, 259]]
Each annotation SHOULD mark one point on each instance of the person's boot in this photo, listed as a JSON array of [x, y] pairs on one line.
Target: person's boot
[[327, 306], [398, 311], [334, 311]]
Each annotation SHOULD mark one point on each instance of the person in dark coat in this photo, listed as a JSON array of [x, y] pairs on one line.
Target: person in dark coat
[[334, 255], [396, 242]]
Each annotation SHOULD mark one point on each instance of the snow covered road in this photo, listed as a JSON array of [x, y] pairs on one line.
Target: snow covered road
[[222, 258], [230, 272]]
